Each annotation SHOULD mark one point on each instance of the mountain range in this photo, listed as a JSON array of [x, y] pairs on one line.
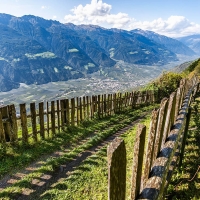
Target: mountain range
[[36, 50], [192, 41]]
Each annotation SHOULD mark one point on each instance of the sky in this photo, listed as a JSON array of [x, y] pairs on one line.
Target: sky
[[173, 18]]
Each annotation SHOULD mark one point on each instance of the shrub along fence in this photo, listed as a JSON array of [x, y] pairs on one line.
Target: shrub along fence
[[44, 119], [153, 166]]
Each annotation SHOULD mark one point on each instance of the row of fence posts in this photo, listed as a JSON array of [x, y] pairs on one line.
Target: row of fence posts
[[153, 166], [45, 119]]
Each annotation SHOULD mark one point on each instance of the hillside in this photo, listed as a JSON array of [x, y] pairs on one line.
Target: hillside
[[59, 150], [35, 50], [173, 45], [192, 41]]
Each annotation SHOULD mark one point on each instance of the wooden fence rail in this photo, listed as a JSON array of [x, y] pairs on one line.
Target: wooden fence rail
[[152, 170], [40, 121]]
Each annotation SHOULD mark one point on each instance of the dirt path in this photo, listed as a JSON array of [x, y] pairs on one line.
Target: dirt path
[[41, 184]]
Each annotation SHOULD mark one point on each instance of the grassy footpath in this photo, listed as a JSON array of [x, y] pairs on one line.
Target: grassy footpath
[[93, 131], [186, 181], [89, 180]]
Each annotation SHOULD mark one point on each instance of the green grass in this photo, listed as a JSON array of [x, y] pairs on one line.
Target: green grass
[[181, 186], [90, 179], [21, 156]]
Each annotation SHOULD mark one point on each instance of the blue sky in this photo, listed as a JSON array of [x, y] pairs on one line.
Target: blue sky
[[168, 17]]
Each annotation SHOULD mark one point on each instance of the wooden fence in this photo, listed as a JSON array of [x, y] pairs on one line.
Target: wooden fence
[[45, 119], [153, 166]]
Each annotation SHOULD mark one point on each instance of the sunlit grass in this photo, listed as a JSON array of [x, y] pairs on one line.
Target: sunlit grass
[[184, 184], [21, 156]]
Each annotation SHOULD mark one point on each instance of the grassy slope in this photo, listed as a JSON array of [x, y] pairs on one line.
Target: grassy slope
[[183, 185], [89, 180], [22, 156]]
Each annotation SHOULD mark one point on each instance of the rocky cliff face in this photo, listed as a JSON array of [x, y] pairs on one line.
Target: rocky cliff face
[[35, 50]]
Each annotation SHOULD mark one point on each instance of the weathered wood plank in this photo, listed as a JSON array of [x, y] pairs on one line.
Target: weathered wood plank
[[88, 107], [6, 126], [67, 112], [99, 106], [116, 153], [160, 127], [13, 124], [169, 117], [92, 107], [108, 105], [62, 107], [41, 116], [23, 116], [81, 110], [53, 119], [58, 114], [138, 161], [114, 103], [47, 109], [72, 111], [33, 121], [177, 106], [77, 111], [150, 146], [84, 108], [105, 105], [2, 133], [102, 105]]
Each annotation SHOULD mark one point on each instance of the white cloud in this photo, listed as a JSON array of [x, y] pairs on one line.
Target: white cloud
[[173, 26], [99, 13], [44, 7], [54, 17]]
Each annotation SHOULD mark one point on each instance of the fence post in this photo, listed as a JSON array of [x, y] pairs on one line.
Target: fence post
[[169, 117], [13, 124], [63, 112], [47, 117], [72, 111], [108, 104], [67, 112], [99, 106], [41, 115], [104, 105], [178, 99], [2, 133], [185, 135], [24, 123], [114, 103], [111, 104], [77, 111], [88, 107], [33, 121], [58, 114], [138, 161], [150, 145], [53, 118], [92, 107], [116, 154], [84, 109], [81, 110], [160, 127]]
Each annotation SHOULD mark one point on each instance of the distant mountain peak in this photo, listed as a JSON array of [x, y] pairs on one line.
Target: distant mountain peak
[[170, 43]]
